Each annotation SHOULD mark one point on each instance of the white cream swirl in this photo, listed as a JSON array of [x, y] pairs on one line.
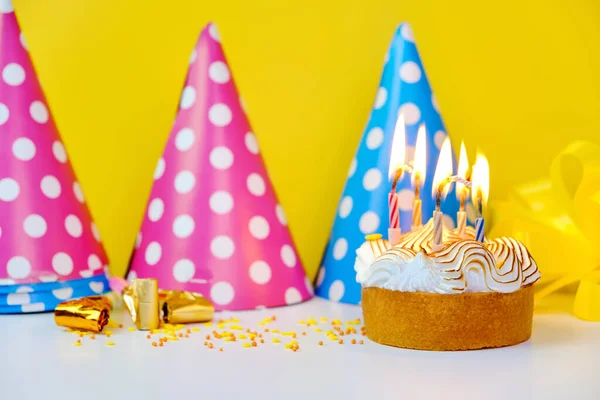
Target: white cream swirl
[[372, 248]]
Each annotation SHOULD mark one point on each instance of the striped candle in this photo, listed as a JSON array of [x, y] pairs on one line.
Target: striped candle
[[479, 230], [417, 219], [438, 231], [461, 219], [393, 211]]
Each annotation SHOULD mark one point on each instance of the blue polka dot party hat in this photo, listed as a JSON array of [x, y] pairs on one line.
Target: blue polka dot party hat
[[363, 209]]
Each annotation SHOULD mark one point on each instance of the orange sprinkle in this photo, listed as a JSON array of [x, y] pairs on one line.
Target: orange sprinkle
[[353, 341], [266, 329], [221, 349], [205, 343], [107, 334], [341, 341], [320, 343], [294, 336], [79, 341], [363, 334], [92, 336], [180, 335], [303, 333], [81, 335], [341, 333], [188, 330], [154, 344], [210, 345], [187, 335], [207, 337], [262, 340], [148, 336], [361, 342], [120, 325], [273, 318], [253, 344]]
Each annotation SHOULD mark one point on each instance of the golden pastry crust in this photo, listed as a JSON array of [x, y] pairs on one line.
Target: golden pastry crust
[[442, 322]]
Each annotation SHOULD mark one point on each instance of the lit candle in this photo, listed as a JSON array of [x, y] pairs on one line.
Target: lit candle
[[462, 191], [440, 187], [480, 192], [395, 173], [418, 175]]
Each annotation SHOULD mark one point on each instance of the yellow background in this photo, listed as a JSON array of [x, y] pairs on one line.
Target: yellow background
[[519, 79]]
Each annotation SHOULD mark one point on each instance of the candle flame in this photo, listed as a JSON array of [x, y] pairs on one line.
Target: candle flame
[[463, 169], [443, 169], [481, 180], [398, 153], [420, 163]]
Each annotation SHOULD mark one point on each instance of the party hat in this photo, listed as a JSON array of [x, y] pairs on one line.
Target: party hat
[[213, 224], [363, 208], [46, 231]]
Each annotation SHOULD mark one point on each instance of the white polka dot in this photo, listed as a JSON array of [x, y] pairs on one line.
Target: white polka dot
[[62, 263], [188, 97], [94, 262], [95, 232], [345, 207], [86, 273], [407, 33], [193, 56], [340, 248], [221, 158], [156, 209], [160, 168], [63, 293], [259, 227], [219, 114], [9, 189], [256, 184], [138, 240], [23, 41], [336, 290], [405, 199], [33, 307], [438, 138], [380, 98], [411, 113], [153, 253], [292, 296], [59, 152], [410, 153], [218, 72], [39, 112], [410, 72], [369, 222], [352, 168], [13, 74], [222, 293], [214, 33], [435, 103], [308, 285], [4, 113], [184, 270], [374, 138], [78, 192], [448, 222], [97, 287], [18, 267], [280, 214], [321, 276], [222, 247], [184, 139], [221, 202], [50, 186], [23, 149], [183, 226], [6, 6], [372, 179], [17, 299], [35, 226], [73, 225], [49, 278], [131, 276], [251, 143], [260, 272], [25, 289], [185, 182], [288, 256]]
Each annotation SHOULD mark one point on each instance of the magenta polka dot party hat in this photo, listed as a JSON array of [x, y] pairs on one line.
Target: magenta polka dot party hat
[[213, 224], [46, 230]]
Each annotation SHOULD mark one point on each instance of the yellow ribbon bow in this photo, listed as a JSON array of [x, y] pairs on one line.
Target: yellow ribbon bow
[[558, 219]]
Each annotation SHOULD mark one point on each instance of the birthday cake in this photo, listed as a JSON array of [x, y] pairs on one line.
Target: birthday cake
[[468, 295]]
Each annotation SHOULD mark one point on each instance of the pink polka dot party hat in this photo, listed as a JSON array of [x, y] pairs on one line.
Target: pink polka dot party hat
[[48, 241], [213, 224]]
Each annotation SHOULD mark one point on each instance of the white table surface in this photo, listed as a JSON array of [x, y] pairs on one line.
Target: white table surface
[[38, 361]]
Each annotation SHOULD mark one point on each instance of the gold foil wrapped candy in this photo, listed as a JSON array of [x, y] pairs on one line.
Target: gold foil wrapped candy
[[185, 307], [141, 299], [89, 313]]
